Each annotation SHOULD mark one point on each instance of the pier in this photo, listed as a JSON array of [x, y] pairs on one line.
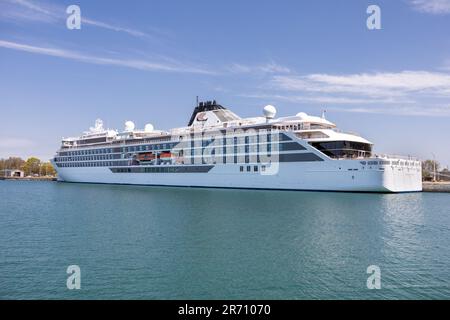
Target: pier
[[43, 178], [436, 186]]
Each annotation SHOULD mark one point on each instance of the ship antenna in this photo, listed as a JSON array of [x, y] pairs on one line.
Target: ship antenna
[[197, 101], [323, 114]]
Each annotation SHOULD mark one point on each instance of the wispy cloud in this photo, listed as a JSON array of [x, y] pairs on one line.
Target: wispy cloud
[[400, 110], [129, 63], [268, 68], [135, 33], [406, 93], [369, 84], [353, 105], [431, 6], [334, 100], [26, 10]]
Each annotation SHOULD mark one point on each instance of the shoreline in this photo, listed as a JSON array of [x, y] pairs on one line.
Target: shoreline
[[30, 178]]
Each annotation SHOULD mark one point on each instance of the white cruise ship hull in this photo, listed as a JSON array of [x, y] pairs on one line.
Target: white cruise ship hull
[[218, 149], [329, 175]]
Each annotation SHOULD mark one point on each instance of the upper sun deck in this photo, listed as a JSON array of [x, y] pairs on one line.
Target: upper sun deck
[[207, 118]]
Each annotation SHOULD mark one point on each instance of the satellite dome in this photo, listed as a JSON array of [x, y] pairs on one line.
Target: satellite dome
[[149, 127], [302, 115], [129, 126], [269, 111]]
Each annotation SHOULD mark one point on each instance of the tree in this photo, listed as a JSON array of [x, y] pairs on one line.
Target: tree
[[429, 167], [32, 166], [47, 169], [444, 174], [11, 163]]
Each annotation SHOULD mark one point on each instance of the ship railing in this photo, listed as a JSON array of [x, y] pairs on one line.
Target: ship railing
[[396, 157], [346, 132]]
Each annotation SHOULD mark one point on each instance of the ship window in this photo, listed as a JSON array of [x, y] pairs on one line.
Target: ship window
[[241, 168], [344, 149], [255, 168], [249, 168]]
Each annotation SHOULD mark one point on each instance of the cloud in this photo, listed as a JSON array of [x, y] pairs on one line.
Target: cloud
[[431, 6], [323, 99], [31, 6], [32, 11], [135, 33], [369, 84], [271, 67], [400, 110], [352, 105], [411, 93], [129, 63], [21, 10]]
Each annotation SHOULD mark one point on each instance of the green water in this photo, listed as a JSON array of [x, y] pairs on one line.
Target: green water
[[176, 243]]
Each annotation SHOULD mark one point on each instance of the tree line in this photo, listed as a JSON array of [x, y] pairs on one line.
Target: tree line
[[32, 166], [432, 171]]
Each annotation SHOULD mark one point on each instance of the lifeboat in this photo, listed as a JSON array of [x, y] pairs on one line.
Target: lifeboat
[[146, 156], [165, 155]]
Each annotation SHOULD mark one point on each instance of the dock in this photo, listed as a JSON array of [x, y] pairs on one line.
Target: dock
[[29, 178], [436, 187]]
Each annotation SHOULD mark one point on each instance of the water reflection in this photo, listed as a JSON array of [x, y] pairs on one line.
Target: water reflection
[[159, 243]]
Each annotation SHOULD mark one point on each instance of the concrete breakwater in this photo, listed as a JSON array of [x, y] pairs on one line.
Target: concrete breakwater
[[436, 187], [29, 178]]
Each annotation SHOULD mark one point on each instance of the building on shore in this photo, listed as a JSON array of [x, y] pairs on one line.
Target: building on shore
[[8, 173]]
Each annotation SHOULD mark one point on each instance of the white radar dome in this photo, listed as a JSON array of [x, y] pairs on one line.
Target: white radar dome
[[149, 127], [302, 115], [129, 126], [269, 111]]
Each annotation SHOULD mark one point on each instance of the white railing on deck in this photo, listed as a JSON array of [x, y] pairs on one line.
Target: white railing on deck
[[396, 157]]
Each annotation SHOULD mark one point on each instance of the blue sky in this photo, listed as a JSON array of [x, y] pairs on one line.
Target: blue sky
[[146, 61]]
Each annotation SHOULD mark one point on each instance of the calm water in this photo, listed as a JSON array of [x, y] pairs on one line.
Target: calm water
[[175, 243]]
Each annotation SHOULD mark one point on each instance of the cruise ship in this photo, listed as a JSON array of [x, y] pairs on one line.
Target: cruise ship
[[219, 149]]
